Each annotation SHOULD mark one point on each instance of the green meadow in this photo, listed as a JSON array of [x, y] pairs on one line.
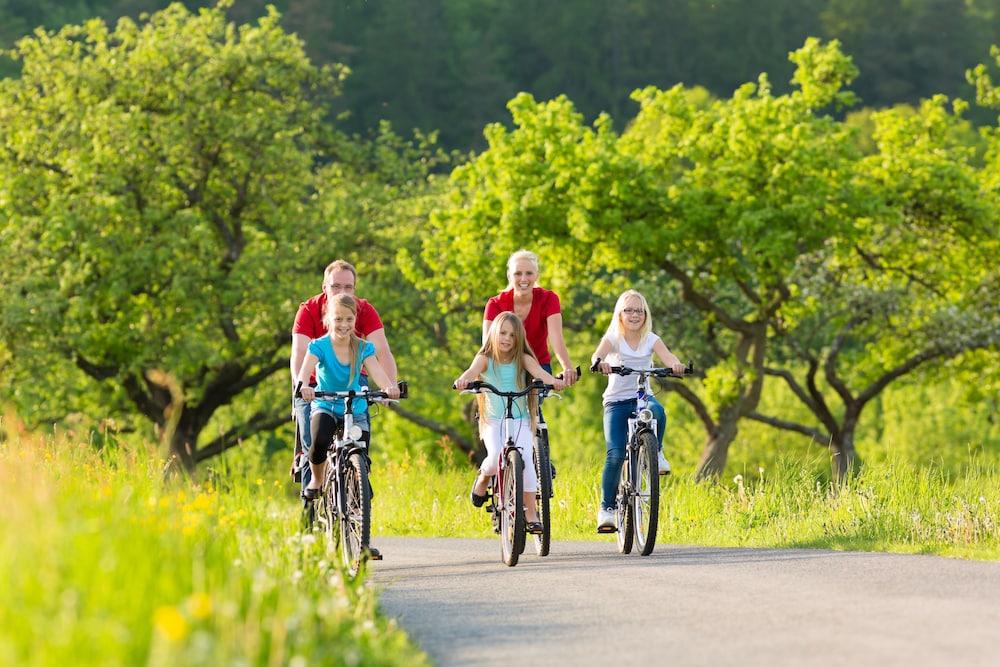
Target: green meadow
[[106, 563]]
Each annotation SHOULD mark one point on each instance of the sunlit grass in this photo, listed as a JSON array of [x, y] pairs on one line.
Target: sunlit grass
[[105, 563], [889, 506]]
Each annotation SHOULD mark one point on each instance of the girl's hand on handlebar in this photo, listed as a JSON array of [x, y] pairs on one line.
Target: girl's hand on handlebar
[[570, 376], [308, 393], [461, 383], [392, 391], [678, 369], [602, 367]]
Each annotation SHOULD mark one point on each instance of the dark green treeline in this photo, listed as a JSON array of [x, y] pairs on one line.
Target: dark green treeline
[[451, 65]]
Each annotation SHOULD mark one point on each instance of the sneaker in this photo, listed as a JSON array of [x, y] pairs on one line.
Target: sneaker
[[606, 520], [663, 464]]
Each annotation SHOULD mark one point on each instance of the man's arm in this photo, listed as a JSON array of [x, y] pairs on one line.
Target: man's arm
[[383, 353], [300, 344]]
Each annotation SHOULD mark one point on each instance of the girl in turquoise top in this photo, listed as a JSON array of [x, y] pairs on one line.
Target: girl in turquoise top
[[506, 362], [338, 358]]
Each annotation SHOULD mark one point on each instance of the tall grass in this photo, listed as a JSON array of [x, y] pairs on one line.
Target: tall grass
[[102, 562], [890, 506]]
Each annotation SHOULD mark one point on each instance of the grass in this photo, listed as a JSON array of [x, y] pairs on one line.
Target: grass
[[104, 563], [889, 506]]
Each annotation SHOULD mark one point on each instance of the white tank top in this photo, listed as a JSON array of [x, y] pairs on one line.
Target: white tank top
[[624, 388]]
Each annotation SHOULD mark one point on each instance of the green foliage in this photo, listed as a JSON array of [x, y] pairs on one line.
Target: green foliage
[[156, 181]]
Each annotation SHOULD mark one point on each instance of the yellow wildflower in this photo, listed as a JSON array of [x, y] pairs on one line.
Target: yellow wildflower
[[171, 623], [199, 605]]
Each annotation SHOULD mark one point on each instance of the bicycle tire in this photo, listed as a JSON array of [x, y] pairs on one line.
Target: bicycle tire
[[308, 516], [357, 517], [623, 510], [327, 511], [544, 493], [646, 499], [511, 512]]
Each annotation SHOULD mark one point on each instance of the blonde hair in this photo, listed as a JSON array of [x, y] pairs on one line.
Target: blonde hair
[[350, 303], [491, 350], [516, 257], [615, 328]]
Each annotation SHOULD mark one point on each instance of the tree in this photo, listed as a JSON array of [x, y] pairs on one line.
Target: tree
[[155, 181], [914, 288]]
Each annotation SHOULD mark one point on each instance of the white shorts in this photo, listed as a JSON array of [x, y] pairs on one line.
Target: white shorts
[[522, 435]]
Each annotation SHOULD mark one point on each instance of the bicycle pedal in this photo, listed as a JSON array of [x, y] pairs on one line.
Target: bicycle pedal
[[604, 530]]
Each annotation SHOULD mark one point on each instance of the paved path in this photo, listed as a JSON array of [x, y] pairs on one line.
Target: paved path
[[587, 605]]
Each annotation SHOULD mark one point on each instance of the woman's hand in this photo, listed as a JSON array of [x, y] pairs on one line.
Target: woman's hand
[[678, 368], [559, 384], [602, 366], [569, 375], [308, 393], [391, 391]]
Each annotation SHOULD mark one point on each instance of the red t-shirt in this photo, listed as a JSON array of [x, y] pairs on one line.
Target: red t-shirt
[[309, 320], [536, 326]]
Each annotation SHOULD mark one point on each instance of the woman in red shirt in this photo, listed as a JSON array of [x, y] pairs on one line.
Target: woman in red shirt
[[537, 307]]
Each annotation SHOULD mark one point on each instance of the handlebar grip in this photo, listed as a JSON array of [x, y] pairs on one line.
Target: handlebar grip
[[593, 367], [404, 389]]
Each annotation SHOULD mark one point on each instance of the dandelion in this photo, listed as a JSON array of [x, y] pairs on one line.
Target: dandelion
[[260, 482], [170, 623], [199, 605]]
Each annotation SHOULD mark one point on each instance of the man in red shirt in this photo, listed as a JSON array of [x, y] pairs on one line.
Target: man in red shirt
[[338, 278]]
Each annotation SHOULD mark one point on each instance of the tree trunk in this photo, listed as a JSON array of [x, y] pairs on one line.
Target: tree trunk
[[844, 461], [716, 452]]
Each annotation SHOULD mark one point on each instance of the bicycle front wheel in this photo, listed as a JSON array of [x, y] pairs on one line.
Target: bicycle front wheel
[[356, 521], [511, 513], [544, 493], [623, 510], [646, 501]]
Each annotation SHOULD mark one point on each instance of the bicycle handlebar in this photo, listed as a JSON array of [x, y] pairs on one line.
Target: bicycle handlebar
[[365, 392], [477, 386], [658, 372]]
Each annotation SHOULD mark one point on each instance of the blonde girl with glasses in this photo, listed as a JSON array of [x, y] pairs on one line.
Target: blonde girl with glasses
[[629, 342]]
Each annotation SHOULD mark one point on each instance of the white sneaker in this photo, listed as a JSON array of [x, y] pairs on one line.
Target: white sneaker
[[663, 464], [605, 520]]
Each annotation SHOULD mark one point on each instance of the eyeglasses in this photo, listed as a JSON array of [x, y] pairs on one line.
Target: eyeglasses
[[338, 286], [633, 311]]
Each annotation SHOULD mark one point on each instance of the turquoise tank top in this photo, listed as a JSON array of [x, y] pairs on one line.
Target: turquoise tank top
[[504, 378]]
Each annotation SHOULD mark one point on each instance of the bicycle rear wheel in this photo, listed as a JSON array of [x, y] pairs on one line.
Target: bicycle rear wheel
[[646, 501], [511, 513], [623, 510], [544, 493], [356, 522]]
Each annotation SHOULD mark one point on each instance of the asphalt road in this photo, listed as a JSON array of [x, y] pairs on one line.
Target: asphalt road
[[587, 605]]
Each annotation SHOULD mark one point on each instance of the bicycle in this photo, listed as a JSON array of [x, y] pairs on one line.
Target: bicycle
[[343, 507], [543, 469], [507, 486], [638, 499]]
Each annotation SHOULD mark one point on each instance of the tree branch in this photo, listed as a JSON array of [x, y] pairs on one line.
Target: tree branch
[[691, 399], [699, 300], [815, 434], [463, 443], [261, 421]]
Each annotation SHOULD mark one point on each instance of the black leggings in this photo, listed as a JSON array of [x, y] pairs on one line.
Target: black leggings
[[325, 427]]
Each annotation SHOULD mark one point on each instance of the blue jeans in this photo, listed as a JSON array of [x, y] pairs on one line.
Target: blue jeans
[[616, 434]]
